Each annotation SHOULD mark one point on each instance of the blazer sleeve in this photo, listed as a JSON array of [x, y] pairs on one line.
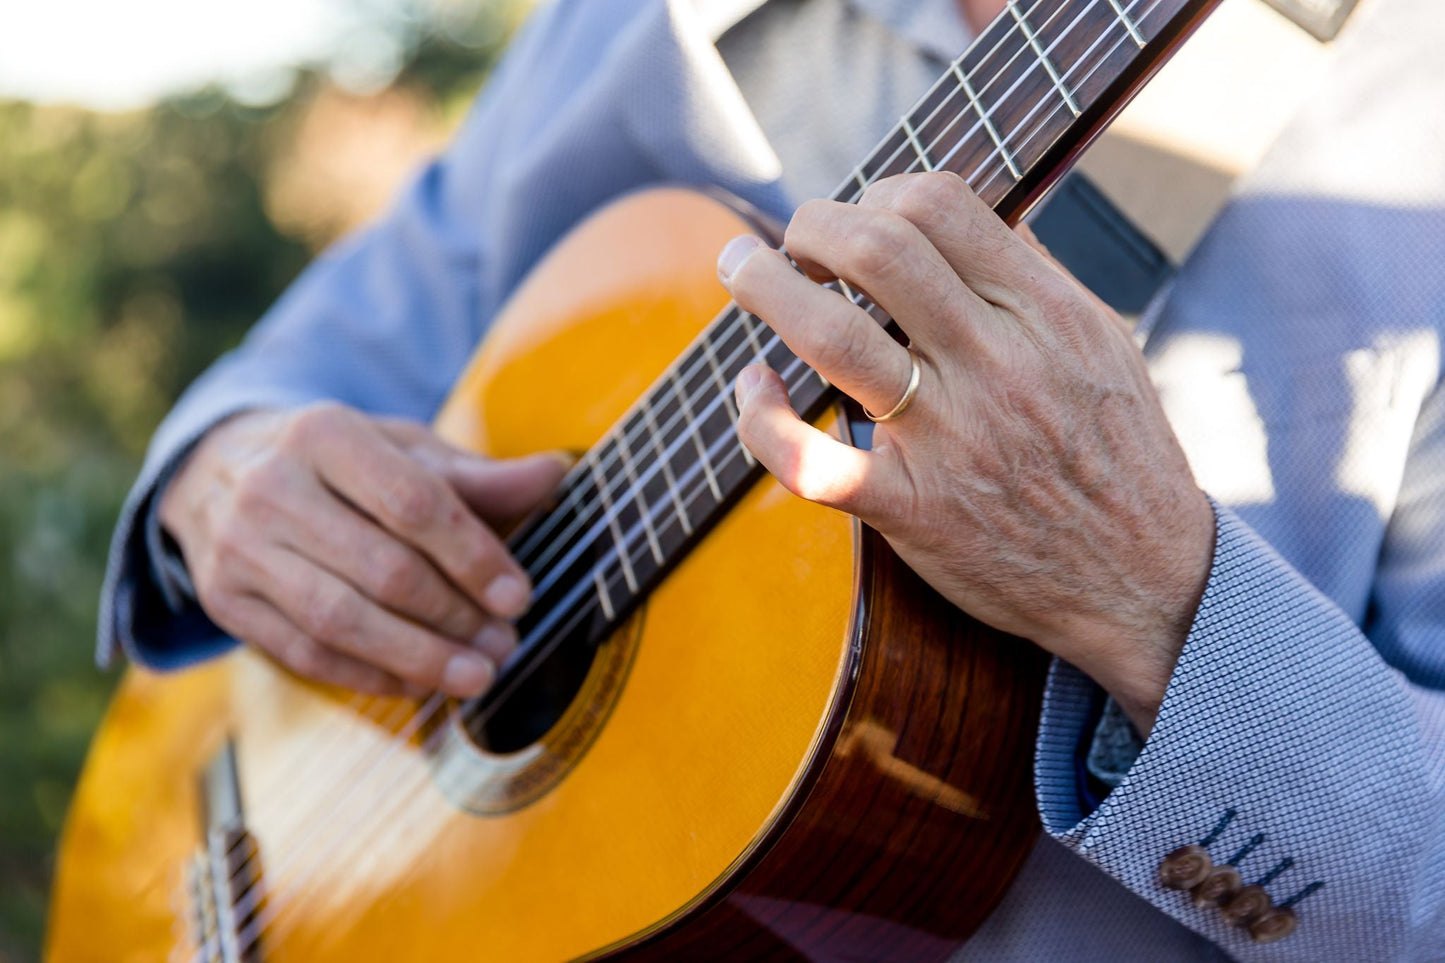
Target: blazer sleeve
[[385, 319], [1282, 712]]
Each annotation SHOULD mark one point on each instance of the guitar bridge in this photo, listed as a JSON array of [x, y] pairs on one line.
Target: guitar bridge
[[224, 875]]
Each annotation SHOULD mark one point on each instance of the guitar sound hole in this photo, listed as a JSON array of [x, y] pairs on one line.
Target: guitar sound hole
[[536, 704]]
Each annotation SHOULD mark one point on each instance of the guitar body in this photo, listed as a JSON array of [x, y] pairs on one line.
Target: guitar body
[[792, 749]]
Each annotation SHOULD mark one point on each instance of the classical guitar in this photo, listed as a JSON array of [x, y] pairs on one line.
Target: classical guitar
[[737, 727]]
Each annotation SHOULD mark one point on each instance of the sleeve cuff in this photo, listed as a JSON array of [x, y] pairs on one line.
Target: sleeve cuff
[[167, 568], [1280, 709], [148, 608]]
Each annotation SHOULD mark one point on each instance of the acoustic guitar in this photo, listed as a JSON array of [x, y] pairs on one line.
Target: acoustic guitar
[[736, 727]]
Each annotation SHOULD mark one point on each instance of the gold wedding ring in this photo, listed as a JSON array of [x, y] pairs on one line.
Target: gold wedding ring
[[915, 376]]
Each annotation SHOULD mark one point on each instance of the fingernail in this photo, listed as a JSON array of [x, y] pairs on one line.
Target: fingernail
[[507, 596], [733, 256], [565, 458], [467, 673], [748, 380], [495, 640]]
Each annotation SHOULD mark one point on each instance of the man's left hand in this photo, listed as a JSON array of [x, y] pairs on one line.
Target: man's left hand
[[1034, 480]]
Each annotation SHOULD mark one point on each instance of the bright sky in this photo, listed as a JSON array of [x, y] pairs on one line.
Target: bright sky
[[115, 54]]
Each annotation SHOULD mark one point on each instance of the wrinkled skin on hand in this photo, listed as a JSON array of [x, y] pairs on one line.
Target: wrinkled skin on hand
[[357, 551], [1034, 481]]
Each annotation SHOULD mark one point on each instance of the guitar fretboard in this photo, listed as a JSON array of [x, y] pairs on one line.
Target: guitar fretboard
[[1007, 117]]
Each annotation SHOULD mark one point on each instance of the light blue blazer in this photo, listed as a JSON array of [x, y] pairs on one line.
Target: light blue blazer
[[1298, 355]]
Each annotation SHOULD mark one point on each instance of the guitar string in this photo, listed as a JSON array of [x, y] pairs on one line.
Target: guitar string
[[634, 541], [665, 428], [541, 538], [994, 175]]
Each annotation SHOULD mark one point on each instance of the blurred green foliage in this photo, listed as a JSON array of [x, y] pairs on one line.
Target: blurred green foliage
[[134, 248]]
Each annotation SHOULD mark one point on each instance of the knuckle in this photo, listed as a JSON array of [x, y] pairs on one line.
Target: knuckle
[[413, 503], [478, 562], [807, 219], [230, 543], [331, 616], [924, 198], [880, 187], [876, 247], [257, 487], [421, 662], [395, 576], [838, 346], [217, 602], [303, 656], [314, 422]]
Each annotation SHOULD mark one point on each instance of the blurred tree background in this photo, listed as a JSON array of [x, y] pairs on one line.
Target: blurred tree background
[[134, 248]]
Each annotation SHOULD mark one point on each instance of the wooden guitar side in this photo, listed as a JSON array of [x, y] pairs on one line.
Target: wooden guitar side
[[798, 750]]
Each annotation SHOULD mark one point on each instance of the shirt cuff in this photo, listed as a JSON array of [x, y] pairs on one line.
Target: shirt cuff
[[1115, 746]]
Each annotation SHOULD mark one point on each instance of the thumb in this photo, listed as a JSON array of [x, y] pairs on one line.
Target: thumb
[[502, 491]]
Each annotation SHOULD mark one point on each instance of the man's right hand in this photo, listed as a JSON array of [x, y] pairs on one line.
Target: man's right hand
[[357, 551]]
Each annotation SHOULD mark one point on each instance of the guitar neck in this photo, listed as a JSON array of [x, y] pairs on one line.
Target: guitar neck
[[1009, 117]]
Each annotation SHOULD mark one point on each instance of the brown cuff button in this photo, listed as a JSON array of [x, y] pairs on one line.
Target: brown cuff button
[[1218, 887], [1246, 906], [1274, 925], [1185, 868]]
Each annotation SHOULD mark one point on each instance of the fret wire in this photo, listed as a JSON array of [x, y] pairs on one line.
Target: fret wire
[[691, 419], [1038, 105], [725, 390], [917, 147], [604, 595], [1044, 58], [631, 471], [1007, 29], [666, 463], [984, 116], [579, 480], [1103, 35], [1004, 152], [1129, 25], [614, 525], [746, 320]]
